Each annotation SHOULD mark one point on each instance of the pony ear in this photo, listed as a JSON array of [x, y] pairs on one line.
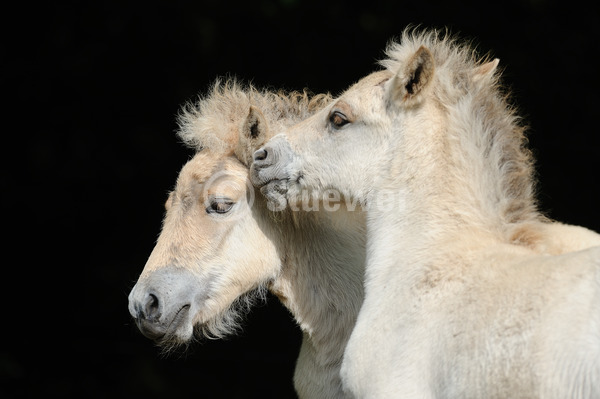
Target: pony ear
[[485, 71], [412, 78], [252, 134]]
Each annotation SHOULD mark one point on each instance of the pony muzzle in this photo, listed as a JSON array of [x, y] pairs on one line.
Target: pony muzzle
[[160, 304], [270, 161]]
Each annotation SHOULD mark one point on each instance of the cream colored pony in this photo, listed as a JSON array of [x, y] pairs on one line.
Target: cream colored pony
[[470, 292], [219, 242]]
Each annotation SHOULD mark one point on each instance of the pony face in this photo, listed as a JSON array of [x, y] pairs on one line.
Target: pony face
[[211, 252], [346, 146], [217, 249]]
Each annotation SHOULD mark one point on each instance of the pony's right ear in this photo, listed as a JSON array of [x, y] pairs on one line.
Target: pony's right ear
[[485, 72], [412, 79], [252, 134]]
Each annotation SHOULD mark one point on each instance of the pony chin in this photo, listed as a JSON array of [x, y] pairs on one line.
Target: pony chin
[[204, 325], [228, 321], [180, 338]]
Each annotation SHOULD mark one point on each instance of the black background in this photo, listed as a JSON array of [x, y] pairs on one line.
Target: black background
[[91, 91]]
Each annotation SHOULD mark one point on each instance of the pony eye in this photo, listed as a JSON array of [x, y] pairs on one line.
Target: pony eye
[[338, 120], [219, 205]]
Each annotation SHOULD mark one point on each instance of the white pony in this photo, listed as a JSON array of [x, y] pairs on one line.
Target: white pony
[[220, 242], [469, 292]]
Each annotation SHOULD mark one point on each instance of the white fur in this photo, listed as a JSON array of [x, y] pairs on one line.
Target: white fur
[[470, 292]]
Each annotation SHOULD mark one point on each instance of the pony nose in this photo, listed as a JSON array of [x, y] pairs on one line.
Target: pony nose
[[149, 307], [147, 313], [261, 155]]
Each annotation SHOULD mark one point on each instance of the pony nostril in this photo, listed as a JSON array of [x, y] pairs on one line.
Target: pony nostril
[[152, 307], [260, 155]]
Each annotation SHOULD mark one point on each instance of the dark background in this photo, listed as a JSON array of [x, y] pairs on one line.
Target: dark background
[[91, 90]]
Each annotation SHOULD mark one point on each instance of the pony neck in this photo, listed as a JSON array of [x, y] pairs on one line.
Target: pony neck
[[321, 280], [465, 165]]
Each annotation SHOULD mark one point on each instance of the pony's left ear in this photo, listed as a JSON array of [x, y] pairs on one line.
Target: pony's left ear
[[252, 134], [412, 78]]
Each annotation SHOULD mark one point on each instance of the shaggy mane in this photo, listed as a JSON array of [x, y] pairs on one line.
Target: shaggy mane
[[492, 146], [213, 121]]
